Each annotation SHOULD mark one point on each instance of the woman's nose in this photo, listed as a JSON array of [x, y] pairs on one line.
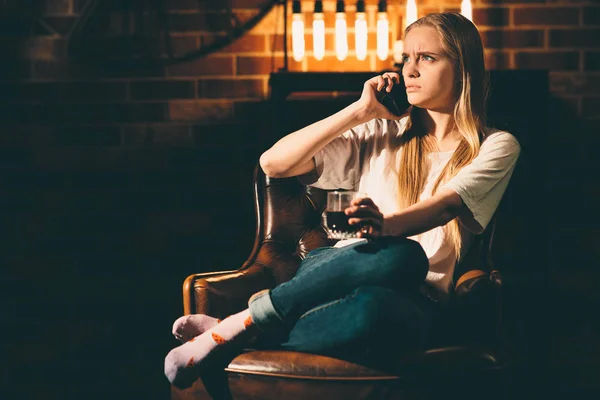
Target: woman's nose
[[409, 70]]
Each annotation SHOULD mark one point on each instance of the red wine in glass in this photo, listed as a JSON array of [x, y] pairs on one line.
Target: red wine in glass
[[338, 221]]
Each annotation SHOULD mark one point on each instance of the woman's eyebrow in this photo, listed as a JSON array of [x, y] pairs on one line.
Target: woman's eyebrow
[[430, 53]]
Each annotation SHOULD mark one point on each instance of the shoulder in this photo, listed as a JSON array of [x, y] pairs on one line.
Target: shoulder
[[493, 136], [495, 140]]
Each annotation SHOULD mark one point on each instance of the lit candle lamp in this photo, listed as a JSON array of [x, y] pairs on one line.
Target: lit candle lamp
[[341, 31], [466, 9], [383, 32], [297, 32], [411, 12], [360, 31], [410, 17], [318, 31]]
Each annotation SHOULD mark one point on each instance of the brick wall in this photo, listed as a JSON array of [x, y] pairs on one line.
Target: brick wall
[[561, 36], [135, 104], [121, 176]]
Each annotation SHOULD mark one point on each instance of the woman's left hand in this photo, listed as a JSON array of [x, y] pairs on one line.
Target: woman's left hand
[[364, 213]]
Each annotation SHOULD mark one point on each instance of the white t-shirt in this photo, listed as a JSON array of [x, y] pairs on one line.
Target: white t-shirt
[[365, 159]]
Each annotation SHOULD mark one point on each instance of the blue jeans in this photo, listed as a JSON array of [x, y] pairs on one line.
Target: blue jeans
[[361, 299]]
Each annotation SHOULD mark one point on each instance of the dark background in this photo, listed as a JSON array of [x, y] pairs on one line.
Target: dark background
[[121, 175]]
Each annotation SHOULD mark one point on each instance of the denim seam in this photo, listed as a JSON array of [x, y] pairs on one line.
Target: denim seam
[[325, 306]]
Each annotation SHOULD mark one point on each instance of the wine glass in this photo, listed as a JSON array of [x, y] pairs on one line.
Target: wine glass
[[335, 220]]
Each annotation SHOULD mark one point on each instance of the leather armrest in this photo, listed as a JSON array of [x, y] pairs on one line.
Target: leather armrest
[[477, 305], [471, 279], [220, 294]]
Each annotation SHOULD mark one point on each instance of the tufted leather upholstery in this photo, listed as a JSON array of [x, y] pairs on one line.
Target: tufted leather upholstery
[[288, 227]]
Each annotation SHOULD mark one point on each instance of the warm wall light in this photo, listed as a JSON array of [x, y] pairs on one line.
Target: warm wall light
[[318, 31], [410, 17], [297, 32], [411, 12], [341, 31], [466, 9], [383, 32], [360, 31]]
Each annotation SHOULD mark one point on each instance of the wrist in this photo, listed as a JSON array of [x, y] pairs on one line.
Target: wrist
[[359, 112], [385, 227]]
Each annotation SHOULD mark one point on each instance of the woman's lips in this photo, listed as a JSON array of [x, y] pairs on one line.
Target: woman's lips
[[412, 88]]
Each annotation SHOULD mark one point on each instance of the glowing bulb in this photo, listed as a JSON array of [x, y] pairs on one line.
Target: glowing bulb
[[383, 36], [466, 9], [297, 35], [411, 12], [318, 35], [360, 34], [341, 33], [341, 36]]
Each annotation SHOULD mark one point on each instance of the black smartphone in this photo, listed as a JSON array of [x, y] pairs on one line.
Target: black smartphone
[[392, 100]]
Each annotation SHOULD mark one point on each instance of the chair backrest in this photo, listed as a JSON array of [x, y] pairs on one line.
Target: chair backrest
[[288, 223]]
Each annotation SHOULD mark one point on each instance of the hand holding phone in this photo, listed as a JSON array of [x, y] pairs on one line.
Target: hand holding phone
[[387, 99]]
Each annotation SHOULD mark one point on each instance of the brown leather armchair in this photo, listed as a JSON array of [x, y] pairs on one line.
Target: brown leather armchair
[[467, 361]]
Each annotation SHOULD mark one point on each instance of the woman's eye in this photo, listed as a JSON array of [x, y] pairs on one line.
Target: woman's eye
[[423, 57]]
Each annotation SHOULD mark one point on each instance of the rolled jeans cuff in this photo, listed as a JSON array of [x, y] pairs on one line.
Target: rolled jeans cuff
[[263, 313]]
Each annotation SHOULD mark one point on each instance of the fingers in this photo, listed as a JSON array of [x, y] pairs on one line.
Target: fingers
[[391, 78], [368, 232], [373, 96], [370, 221], [362, 201], [367, 217], [363, 208], [369, 229], [387, 81], [384, 82], [380, 80], [363, 211]]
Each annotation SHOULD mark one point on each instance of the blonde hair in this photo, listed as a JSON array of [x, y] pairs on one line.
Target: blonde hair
[[462, 43]]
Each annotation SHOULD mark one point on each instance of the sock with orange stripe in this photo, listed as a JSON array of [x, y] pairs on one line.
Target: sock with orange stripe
[[184, 363], [189, 326]]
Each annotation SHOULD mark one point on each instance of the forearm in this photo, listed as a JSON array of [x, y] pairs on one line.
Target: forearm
[[424, 215], [298, 148]]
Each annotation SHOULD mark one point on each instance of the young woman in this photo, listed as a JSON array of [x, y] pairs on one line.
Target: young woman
[[433, 176]]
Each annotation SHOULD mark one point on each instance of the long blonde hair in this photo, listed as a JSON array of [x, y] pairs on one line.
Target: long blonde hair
[[462, 43]]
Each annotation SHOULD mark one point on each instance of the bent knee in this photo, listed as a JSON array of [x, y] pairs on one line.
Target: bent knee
[[406, 257], [417, 255]]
